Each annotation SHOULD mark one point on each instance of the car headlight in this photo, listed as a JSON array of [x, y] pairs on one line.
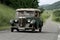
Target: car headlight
[[15, 20], [28, 20], [33, 21]]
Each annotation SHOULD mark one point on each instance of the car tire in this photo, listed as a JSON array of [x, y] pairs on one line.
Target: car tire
[[17, 30], [40, 30], [33, 30], [12, 29]]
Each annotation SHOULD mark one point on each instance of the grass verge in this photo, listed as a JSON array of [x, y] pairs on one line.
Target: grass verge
[[6, 14], [56, 16], [4, 28]]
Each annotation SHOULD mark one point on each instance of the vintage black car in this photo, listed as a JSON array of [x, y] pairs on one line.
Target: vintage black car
[[27, 19]]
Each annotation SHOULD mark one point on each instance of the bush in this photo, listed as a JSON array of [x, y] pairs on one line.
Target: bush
[[45, 15], [56, 15], [6, 14]]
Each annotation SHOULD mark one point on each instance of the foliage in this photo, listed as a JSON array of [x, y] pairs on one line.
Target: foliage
[[56, 15], [21, 3], [6, 14], [45, 15]]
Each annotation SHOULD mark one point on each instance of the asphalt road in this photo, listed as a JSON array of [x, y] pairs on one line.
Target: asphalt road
[[49, 32]]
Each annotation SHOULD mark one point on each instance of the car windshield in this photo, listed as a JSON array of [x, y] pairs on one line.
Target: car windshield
[[26, 13]]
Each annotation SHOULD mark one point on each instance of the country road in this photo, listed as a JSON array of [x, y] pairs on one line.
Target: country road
[[49, 32]]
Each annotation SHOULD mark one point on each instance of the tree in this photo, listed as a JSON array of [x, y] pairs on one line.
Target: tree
[[21, 3]]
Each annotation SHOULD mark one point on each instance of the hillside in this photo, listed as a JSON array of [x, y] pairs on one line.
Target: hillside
[[55, 5], [6, 13]]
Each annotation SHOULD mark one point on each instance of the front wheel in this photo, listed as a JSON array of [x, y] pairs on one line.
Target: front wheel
[[12, 29], [33, 30], [17, 30]]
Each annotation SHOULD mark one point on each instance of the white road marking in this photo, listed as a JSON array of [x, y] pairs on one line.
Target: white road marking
[[58, 35], [59, 27]]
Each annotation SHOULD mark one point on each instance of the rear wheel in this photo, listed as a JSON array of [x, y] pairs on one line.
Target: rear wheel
[[40, 26]]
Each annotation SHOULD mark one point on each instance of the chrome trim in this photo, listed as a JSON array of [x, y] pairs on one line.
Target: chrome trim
[[22, 17]]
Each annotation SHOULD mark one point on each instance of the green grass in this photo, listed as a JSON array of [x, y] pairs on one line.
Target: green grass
[[4, 28], [56, 15], [6, 14], [45, 15]]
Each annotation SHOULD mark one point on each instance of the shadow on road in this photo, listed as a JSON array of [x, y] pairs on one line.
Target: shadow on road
[[33, 32], [28, 32]]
